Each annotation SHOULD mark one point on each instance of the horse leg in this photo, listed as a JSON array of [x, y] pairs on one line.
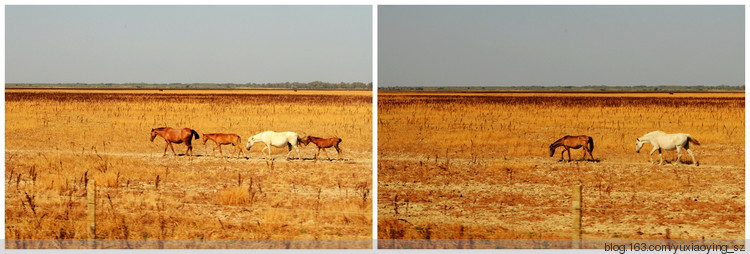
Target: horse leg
[[679, 154], [661, 159], [165, 149], [695, 162], [288, 147], [240, 151], [243, 152], [650, 155], [316, 154], [269, 151], [584, 152], [338, 150], [299, 157], [568, 149], [221, 153], [170, 146], [562, 155], [329, 157]]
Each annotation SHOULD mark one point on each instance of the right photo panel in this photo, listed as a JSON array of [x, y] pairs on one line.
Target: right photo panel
[[601, 127]]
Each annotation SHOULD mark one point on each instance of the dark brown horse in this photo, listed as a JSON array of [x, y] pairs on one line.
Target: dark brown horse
[[574, 142], [175, 136], [225, 139], [323, 143]]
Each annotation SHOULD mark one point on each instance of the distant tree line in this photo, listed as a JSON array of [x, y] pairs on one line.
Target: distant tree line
[[285, 85], [570, 88]]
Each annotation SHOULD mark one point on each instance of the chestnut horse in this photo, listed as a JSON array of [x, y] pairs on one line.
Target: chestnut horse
[[574, 142], [175, 136], [225, 139], [323, 143]]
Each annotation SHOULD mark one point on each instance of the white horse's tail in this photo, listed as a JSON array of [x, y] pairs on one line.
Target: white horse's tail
[[691, 139]]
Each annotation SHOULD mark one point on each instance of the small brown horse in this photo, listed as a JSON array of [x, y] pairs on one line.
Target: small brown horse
[[574, 142], [225, 139], [175, 136], [323, 143]]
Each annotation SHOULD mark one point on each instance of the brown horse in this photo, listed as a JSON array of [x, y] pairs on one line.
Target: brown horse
[[323, 143], [225, 139], [574, 142], [175, 136]]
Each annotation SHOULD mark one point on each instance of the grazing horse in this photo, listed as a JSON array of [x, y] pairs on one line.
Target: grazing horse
[[175, 136], [323, 143], [661, 140], [225, 139], [277, 139], [574, 142]]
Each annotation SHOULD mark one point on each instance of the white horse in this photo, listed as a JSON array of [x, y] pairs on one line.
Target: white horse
[[661, 140], [277, 139]]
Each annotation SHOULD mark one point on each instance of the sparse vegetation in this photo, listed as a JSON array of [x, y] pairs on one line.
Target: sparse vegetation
[[59, 139], [477, 166]]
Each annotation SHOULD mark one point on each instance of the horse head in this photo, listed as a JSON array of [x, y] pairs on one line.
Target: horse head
[[551, 150], [250, 143], [204, 138], [153, 134], [305, 140], [638, 145]]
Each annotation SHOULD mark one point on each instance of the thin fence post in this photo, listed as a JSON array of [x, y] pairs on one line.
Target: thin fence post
[[91, 211], [576, 242]]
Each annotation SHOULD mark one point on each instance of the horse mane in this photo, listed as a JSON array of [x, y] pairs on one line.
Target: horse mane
[[557, 141], [258, 135], [161, 128]]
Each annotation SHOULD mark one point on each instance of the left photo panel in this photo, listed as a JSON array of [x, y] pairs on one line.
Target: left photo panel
[[150, 127]]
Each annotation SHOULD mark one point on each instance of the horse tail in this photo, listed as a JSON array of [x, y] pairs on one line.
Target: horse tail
[[195, 134], [693, 140], [591, 144]]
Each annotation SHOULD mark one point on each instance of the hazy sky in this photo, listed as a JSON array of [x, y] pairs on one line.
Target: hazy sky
[[164, 44], [560, 45]]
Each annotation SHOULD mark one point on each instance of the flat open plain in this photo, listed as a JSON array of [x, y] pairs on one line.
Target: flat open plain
[[478, 166], [58, 139]]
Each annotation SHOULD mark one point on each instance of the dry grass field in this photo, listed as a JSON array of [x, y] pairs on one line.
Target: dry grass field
[[477, 166], [57, 140]]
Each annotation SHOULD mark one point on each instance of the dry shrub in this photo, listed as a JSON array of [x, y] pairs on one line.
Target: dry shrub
[[232, 196]]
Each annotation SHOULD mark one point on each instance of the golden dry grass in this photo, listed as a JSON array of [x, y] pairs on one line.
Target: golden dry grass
[[477, 166], [56, 140]]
